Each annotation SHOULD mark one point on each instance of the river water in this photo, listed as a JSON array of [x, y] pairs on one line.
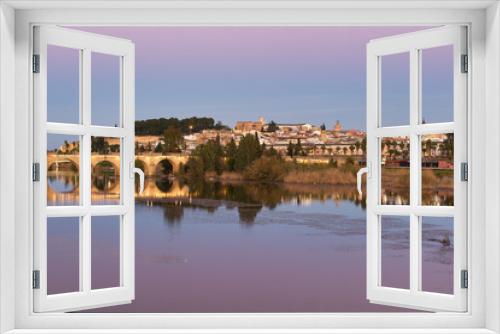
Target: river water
[[212, 247]]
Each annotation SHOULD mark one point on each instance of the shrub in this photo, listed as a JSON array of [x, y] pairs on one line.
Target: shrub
[[266, 169], [331, 176], [194, 168]]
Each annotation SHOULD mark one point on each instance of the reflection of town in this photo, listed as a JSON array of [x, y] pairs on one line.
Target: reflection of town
[[247, 198]]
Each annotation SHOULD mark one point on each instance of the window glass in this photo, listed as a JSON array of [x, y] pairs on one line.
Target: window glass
[[105, 170], [437, 254], [395, 89], [437, 84], [437, 169], [106, 94], [63, 259], [63, 84], [395, 170], [105, 252], [63, 170], [395, 256]]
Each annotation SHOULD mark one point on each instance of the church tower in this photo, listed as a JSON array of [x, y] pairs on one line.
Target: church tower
[[337, 127]]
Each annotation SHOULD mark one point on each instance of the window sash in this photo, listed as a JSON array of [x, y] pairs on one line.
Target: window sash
[[86, 297], [413, 43]]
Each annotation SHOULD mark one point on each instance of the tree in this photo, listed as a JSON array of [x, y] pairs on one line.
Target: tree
[[230, 151], [272, 127], [266, 169], [211, 155], [323, 127], [173, 141], [363, 145], [290, 150], [271, 152], [66, 146], [99, 145], [358, 146], [157, 127], [352, 148], [194, 168], [248, 151], [299, 150], [159, 148], [344, 149]]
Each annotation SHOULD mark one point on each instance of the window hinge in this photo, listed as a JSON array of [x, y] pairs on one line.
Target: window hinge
[[36, 172], [465, 63], [36, 63], [464, 279], [464, 171], [36, 279]]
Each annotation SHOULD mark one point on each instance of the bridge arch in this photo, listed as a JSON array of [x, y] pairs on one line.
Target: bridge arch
[[139, 163], [105, 175], [64, 165], [164, 167]]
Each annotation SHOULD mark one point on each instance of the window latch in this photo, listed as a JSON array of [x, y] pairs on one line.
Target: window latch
[[465, 64], [464, 279], [36, 279], [36, 63], [464, 171], [36, 172]]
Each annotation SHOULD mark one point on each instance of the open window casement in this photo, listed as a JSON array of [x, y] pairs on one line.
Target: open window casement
[[83, 210], [412, 47]]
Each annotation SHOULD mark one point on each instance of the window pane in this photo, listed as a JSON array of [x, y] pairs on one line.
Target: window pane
[[395, 251], [105, 170], [395, 89], [395, 171], [437, 84], [437, 169], [63, 84], [105, 252], [437, 254], [63, 255], [105, 90], [63, 170]]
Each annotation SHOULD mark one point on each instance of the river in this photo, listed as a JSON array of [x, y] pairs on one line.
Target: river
[[212, 247]]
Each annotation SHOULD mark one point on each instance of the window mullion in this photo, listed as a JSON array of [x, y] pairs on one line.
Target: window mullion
[[415, 272], [86, 183]]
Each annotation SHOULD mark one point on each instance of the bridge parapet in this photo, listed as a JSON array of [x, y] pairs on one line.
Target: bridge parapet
[[151, 162]]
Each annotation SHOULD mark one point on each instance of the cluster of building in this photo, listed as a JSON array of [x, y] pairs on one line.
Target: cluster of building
[[315, 140]]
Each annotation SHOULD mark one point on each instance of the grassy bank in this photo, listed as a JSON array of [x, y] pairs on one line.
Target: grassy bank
[[327, 175], [269, 170], [431, 178]]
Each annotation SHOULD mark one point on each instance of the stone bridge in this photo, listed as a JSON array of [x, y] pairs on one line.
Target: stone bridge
[[152, 164]]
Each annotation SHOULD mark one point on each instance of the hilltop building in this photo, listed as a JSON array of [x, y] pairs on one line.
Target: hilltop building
[[249, 126]]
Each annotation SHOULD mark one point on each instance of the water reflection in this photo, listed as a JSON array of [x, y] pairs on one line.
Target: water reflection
[[236, 248], [247, 198]]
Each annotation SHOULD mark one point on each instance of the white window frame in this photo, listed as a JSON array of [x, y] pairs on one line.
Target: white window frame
[[16, 20], [413, 44], [86, 44]]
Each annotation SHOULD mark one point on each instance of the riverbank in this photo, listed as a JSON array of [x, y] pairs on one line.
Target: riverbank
[[314, 176], [391, 177]]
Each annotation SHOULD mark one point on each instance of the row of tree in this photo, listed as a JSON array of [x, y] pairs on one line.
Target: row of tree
[[158, 126], [214, 157]]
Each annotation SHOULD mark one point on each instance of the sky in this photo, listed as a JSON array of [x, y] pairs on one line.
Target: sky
[[285, 74]]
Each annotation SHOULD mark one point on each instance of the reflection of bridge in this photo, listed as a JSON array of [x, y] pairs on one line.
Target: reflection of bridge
[[151, 163]]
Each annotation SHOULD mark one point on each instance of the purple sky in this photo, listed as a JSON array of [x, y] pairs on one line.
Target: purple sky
[[287, 74]]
